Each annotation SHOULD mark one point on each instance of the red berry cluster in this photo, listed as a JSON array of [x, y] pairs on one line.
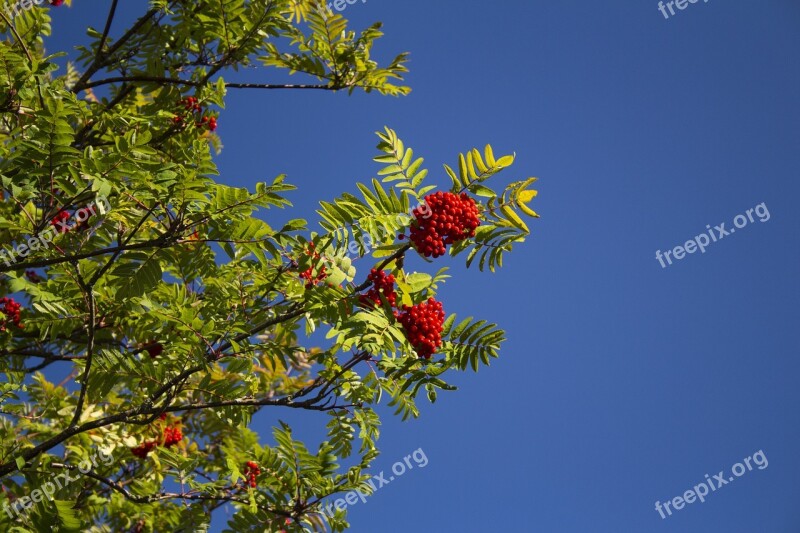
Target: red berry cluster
[[10, 308], [251, 470], [308, 274], [423, 326], [450, 218], [171, 436], [154, 349], [191, 105], [381, 284], [210, 122], [33, 277], [61, 216], [56, 3], [422, 323], [143, 449]]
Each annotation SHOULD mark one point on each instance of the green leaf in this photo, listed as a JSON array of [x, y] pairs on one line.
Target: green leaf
[[67, 516], [138, 277]]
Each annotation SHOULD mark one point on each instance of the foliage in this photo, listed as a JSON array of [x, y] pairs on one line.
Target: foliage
[[178, 305]]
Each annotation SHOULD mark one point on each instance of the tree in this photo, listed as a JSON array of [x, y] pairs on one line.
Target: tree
[[149, 312]]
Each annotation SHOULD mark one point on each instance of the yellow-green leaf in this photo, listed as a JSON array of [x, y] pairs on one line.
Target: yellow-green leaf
[[514, 218], [527, 196], [505, 161]]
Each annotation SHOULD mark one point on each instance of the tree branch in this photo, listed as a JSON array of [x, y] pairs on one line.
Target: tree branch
[[154, 243], [89, 290], [190, 83], [119, 487], [104, 38], [100, 59]]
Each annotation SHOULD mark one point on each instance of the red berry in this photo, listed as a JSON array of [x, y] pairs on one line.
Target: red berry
[[56, 3], [172, 435], [251, 471], [10, 313], [423, 326], [57, 221], [154, 349], [143, 449], [450, 218], [308, 274], [381, 284]]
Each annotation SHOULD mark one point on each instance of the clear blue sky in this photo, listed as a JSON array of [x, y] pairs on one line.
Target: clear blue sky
[[622, 382]]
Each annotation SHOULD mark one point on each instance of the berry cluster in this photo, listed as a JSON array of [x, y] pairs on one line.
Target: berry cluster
[[191, 105], [423, 326], [381, 284], [61, 217], [422, 323], [56, 3], [308, 274], [143, 449], [251, 470], [10, 308], [154, 349], [171, 436], [449, 219]]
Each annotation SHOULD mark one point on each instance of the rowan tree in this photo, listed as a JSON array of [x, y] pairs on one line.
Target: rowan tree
[[150, 311]]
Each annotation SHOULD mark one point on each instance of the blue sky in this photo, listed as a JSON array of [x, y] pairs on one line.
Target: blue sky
[[622, 382]]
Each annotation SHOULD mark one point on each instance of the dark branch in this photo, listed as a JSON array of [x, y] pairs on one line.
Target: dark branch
[[100, 60], [119, 487], [190, 83], [109, 20], [155, 243]]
